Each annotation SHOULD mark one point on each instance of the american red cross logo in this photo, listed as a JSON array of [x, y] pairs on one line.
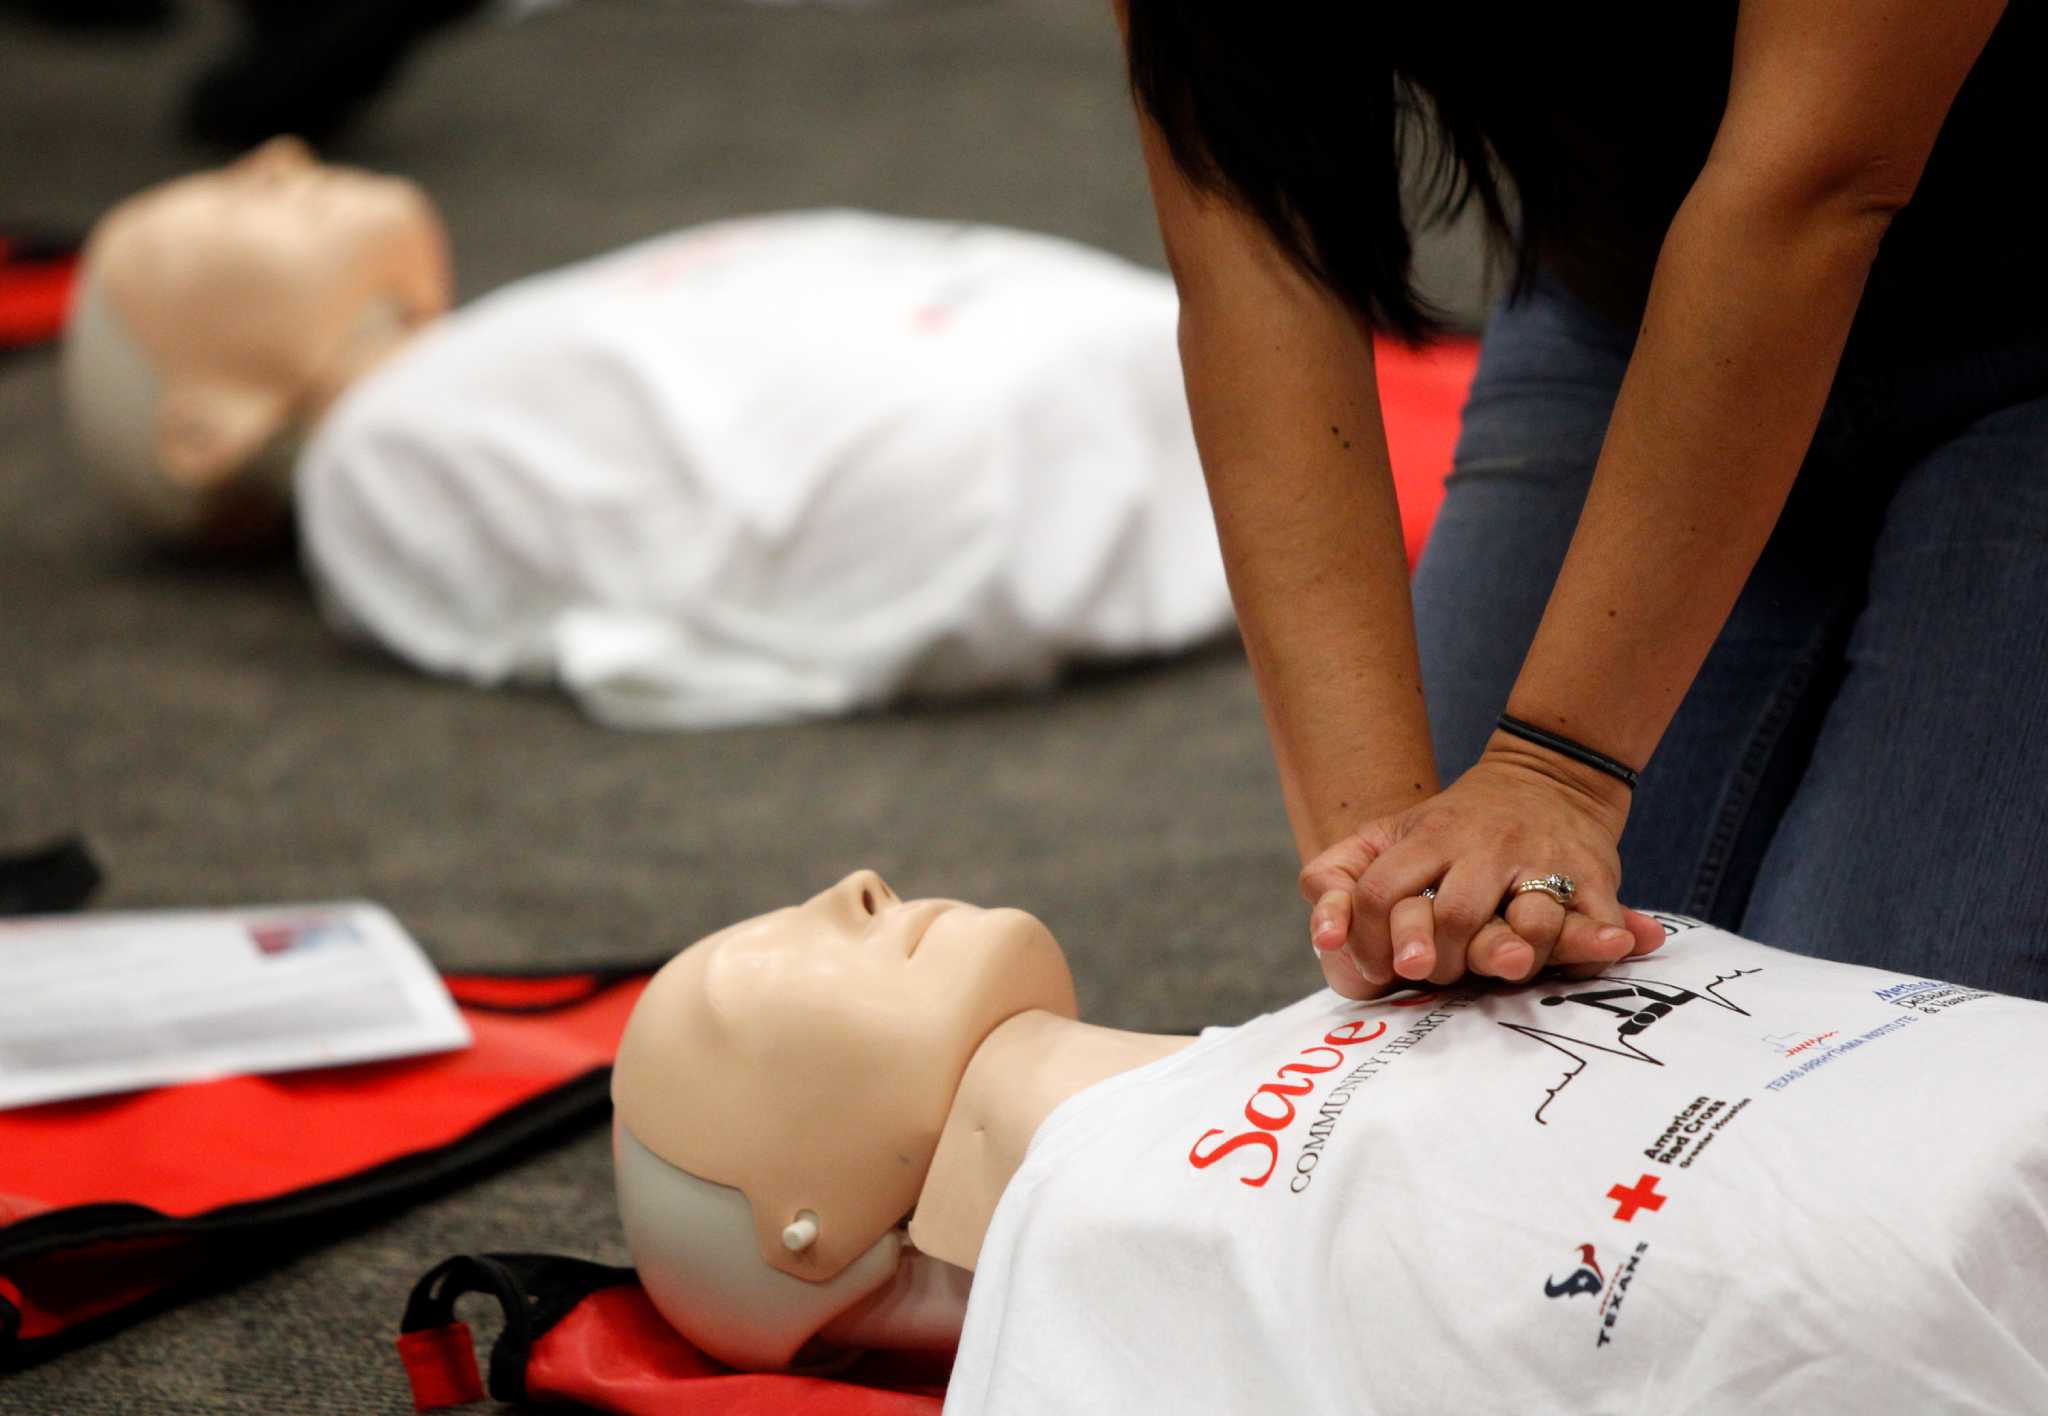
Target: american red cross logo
[[1639, 1196]]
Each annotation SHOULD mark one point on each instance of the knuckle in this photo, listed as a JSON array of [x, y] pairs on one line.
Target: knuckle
[[1579, 929], [1496, 933], [1376, 897], [1598, 884], [1459, 917], [1320, 867], [1578, 944], [1415, 912], [1598, 910]]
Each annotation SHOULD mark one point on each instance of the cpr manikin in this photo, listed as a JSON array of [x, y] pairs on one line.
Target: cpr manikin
[[817, 1110], [766, 468], [219, 316], [1719, 1177]]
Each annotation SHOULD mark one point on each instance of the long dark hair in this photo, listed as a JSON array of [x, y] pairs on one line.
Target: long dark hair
[[1304, 121]]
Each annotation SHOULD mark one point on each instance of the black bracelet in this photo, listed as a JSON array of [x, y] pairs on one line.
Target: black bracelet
[[1565, 747]]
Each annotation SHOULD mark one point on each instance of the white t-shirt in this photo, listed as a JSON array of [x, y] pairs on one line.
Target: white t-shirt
[[773, 468], [1723, 1178]]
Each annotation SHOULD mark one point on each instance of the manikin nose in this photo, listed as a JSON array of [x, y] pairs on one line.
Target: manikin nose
[[866, 893], [279, 157]]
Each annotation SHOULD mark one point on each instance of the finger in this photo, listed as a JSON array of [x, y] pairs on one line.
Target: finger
[[1371, 948], [1329, 923], [1412, 927], [1339, 867], [1538, 919], [1465, 902], [1329, 933], [1649, 935], [1449, 968], [1498, 952], [1596, 901], [1641, 934], [1340, 972], [1397, 875], [1586, 939], [1587, 942]]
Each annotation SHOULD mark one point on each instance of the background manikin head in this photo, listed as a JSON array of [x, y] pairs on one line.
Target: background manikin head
[[802, 1064], [218, 315]]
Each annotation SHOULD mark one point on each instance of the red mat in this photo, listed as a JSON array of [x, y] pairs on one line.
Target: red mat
[[112, 1206], [35, 290], [1422, 395]]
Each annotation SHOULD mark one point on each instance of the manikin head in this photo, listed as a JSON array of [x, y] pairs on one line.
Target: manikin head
[[217, 317], [780, 1091]]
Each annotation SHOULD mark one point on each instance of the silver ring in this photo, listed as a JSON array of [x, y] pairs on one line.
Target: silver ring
[[1560, 888], [1429, 892]]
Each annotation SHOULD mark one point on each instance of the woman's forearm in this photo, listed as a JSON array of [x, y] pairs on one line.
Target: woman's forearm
[[1832, 113], [1287, 420], [1754, 294]]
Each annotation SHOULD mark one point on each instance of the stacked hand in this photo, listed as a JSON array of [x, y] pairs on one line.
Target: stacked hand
[[1519, 814]]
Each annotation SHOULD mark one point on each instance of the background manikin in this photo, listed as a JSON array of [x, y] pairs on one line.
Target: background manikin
[[218, 317], [1719, 1175], [766, 468]]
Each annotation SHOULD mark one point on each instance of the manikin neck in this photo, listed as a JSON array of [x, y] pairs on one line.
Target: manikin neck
[[1019, 1074], [384, 328]]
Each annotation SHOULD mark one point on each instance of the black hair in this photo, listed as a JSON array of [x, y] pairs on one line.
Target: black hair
[[1302, 114]]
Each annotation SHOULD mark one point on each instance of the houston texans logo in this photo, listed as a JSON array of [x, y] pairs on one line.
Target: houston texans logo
[[1586, 1278]]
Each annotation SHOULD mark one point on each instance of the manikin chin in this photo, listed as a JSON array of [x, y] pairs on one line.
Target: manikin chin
[[818, 1109]]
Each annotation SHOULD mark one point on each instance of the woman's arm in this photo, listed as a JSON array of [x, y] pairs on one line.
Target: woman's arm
[[1833, 108], [1286, 416], [1282, 392]]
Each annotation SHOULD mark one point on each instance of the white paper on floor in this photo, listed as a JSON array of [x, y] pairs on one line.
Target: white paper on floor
[[111, 1002]]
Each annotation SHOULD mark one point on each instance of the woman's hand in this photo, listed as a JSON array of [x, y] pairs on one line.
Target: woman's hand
[[1519, 814]]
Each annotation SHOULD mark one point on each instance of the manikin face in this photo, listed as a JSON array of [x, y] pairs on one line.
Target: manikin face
[[809, 1057], [259, 290]]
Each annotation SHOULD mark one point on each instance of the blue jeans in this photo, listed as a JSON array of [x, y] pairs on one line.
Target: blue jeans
[[1860, 770]]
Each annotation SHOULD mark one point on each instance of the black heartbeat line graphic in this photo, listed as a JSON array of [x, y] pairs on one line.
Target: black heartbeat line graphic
[[1634, 1021]]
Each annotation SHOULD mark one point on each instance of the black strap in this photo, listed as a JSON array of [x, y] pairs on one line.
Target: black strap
[[59, 876], [241, 1239], [536, 1291], [1565, 747]]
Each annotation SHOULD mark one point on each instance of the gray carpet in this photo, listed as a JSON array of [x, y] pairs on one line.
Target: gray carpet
[[218, 746]]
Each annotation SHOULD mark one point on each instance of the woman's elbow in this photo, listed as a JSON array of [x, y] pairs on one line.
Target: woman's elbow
[[1857, 188], [1866, 187]]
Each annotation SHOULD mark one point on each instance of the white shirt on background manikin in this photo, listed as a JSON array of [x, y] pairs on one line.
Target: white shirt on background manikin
[[1722, 1178], [775, 468]]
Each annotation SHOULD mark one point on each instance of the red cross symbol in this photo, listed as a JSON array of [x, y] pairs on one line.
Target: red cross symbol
[[1639, 1196]]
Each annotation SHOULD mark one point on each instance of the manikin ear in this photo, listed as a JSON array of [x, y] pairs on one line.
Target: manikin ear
[[206, 433]]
